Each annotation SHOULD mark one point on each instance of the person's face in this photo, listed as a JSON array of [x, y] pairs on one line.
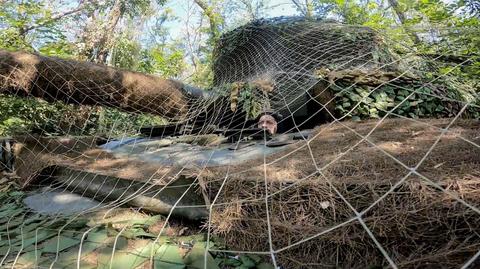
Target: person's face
[[268, 123]]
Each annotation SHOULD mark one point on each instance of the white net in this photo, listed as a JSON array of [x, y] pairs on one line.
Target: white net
[[375, 162]]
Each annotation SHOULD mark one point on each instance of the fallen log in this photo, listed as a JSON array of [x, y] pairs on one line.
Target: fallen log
[[83, 83]]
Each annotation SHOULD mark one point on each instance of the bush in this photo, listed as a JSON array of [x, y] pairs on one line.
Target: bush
[[423, 100], [31, 115]]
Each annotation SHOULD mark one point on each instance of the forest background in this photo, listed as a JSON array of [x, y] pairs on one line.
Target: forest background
[[176, 38]]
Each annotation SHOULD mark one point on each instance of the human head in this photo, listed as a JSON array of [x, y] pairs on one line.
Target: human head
[[268, 122]]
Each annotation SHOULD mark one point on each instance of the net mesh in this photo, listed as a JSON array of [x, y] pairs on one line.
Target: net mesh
[[375, 163]]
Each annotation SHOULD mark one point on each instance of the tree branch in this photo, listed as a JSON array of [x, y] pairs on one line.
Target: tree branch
[[299, 7], [403, 20], [210, 14], [54, 18]]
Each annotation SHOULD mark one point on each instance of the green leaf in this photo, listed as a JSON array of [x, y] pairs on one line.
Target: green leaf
[[403, 92], [9, 213], [247, 262], [231, 262], [78, 223], [255, 258], [133, 233], [9, 206], [196, 258], [61, 243], [33, 225], [265, 265], [29, 259], [29, 239], [70, 257], [168, 256], [12, 224], [16, 193], [97, 236], [122, 259], [164, 265], [356, 118]]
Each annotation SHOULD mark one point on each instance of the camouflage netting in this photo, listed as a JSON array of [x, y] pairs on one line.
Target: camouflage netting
[[295, 67], [283, 48], [392, 191], [313, 191], [284, 53]]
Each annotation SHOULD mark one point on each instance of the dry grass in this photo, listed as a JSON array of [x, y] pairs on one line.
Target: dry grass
[[418, 224], [311, 186]]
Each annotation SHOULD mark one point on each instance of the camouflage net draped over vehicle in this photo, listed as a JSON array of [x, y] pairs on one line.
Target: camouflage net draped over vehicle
[[390, 179], [332, 63]]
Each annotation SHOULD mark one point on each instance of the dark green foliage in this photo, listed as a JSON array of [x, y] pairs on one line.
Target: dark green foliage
[[30, 115], [114, 122], [410, 100], [36, 239]]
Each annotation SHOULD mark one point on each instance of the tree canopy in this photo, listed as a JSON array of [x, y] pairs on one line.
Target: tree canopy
[[176, 39]]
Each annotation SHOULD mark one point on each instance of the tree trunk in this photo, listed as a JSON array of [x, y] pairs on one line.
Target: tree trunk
[[213, 19], [53, 79], [403, 20], [104, 43], [306, 8]]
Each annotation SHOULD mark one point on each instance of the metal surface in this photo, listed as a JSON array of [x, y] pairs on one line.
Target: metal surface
[[168, 151], [59, 202]]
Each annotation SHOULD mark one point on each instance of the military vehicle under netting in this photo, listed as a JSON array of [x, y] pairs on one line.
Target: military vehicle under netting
[[359, 174]]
